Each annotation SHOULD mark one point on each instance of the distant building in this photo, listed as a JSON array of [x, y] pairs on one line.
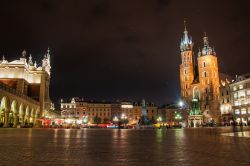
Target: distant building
[[150, 108], [240, 98], [79, 109], [173, 115], [225, 100]]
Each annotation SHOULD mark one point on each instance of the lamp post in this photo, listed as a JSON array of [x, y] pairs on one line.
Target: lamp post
[[178, 117], [159, 120], [124, 118], [115, 120]]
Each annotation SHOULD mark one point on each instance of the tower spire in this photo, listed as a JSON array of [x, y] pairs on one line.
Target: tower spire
[[207, 50], [185, 26], [30, 60], [186, 41], [205, 40], [23, 53]]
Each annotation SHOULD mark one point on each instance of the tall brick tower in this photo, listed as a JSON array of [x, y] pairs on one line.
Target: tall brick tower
[[209, 81], [187, 64]]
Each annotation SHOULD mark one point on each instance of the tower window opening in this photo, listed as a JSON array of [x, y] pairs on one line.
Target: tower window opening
[[205, 74], [204, 64]]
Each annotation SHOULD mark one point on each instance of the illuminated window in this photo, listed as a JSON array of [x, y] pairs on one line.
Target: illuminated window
[[236, 103], [242, 94], [241, 86], [243, 111], [237, 111], [205, 74], [248, 110], [235, 95], [234, 88], [248, 92]]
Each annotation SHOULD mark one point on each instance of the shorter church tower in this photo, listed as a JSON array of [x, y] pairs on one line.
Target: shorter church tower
[[209, 80]]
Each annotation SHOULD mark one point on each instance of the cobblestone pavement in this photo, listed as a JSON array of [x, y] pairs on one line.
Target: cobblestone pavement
[[94, 147]]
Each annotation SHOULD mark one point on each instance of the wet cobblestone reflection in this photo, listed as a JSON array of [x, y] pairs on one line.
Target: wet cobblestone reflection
[[123, 147]]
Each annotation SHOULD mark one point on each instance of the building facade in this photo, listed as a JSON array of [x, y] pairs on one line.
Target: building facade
[[79, 109], [199, 77], [225, 100], [25, 79], [240, 99]]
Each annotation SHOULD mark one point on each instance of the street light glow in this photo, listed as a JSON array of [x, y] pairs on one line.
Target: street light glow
[[181, 103]]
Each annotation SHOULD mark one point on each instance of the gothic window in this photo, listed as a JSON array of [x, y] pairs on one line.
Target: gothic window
[[205, 74], [185, 72], [204, 64], [207, 91], [196, 93]]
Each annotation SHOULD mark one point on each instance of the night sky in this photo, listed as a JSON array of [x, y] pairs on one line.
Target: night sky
[[123, 49]]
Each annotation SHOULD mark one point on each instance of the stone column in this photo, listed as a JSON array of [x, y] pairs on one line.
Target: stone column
[[23, 120], [15, 120], [6, 118], [35, 119]]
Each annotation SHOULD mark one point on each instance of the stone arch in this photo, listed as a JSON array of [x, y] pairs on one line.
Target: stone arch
[[27, 115], [21, 113], [13, 114], [14, 107], [5, 104], [4, 111], [32, 115], [196, 92]]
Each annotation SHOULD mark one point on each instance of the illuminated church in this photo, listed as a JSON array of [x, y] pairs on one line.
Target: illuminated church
[[199, 78]]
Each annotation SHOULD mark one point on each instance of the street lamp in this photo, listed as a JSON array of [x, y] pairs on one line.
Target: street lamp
[[124, 118], [178, 116], [115, 119], [181, 104], [85, 120], [159, 119]]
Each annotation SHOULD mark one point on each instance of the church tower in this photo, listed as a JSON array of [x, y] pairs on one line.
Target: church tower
[[209, 81], [187, 64]]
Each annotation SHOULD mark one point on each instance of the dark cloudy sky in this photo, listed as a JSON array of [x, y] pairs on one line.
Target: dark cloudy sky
[[123, 49]]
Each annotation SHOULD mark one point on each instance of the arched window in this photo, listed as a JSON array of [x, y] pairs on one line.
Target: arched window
[[204, 64], [205, 74]]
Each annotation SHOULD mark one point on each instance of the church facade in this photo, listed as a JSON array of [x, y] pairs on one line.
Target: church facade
[[199, 79]]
